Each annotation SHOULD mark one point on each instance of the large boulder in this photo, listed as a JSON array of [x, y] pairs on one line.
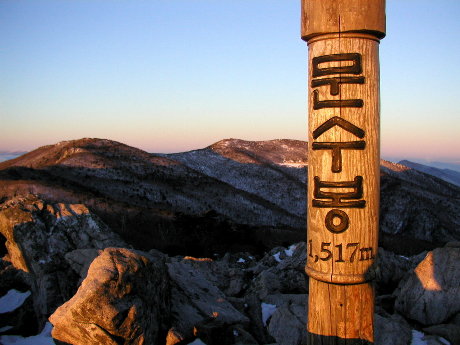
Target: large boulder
[[124, 299], [430, 294], [391, 269], [196, 301], [287, 324], [391, 329], [38, 235]]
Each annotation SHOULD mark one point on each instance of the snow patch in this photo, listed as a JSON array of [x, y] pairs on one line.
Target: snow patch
[[44, 338], [12, 300], [418, 338], [197, 341], [241, 260], [267, 311], [290, 250], [294, 165]]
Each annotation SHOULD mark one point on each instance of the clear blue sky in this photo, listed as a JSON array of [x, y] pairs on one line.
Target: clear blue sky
[[175, 75]]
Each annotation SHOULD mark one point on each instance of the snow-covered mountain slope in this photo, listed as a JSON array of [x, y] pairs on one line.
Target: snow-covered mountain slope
[[241, 186]]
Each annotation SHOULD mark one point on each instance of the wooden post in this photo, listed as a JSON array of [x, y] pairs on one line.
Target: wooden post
[[344, 166]]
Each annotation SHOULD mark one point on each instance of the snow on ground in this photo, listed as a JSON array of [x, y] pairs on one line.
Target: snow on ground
[[418, 339], [12, 300], [267, 311], [241, 260], [290, 250], [294, 165], [197, 341], [44, 338]]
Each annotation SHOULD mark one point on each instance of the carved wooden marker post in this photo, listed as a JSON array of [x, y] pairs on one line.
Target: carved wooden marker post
[[343, 171]]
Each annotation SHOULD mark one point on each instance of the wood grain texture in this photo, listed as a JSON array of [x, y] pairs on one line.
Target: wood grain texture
[[343, 172], [340, 314], [363, 222], [333, 16]]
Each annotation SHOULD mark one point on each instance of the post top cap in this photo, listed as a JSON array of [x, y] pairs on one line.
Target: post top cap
[[343, 16]]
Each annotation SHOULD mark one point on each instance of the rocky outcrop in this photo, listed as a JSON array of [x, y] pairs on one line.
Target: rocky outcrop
[[391, 329], [197, 304], [39, 235], [123, 299], [430, 294], [287, 323], [132, 297], [281, 271], [392, 268]]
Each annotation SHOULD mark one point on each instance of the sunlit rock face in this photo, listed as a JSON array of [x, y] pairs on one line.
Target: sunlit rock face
[[39, 235], [123, 299], [431, 293]]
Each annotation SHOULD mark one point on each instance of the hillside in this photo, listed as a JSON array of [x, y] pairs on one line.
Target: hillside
[[250, 193]]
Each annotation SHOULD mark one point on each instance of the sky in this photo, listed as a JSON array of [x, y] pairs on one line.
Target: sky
[[175, 75]]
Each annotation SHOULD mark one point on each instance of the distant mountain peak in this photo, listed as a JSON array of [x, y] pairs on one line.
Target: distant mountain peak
[[397, 167], [448, 175], [85, 152], [276, 151]]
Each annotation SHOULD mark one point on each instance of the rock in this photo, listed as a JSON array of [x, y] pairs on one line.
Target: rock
[[430, 294], [453, 244], [214, 332], [281, 271], [123, 299], [195, 300], [80, 260], [456, 319], [448, 331], [257, 326], [281, 300], [287, 324], [226, 274], [392, 330], [296, 257], [266, 283], [243, 337], [12, 278], [391, 269], [38, 235]]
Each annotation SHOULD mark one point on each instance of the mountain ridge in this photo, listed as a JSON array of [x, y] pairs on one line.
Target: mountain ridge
[[255, 189], [445, 174]]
